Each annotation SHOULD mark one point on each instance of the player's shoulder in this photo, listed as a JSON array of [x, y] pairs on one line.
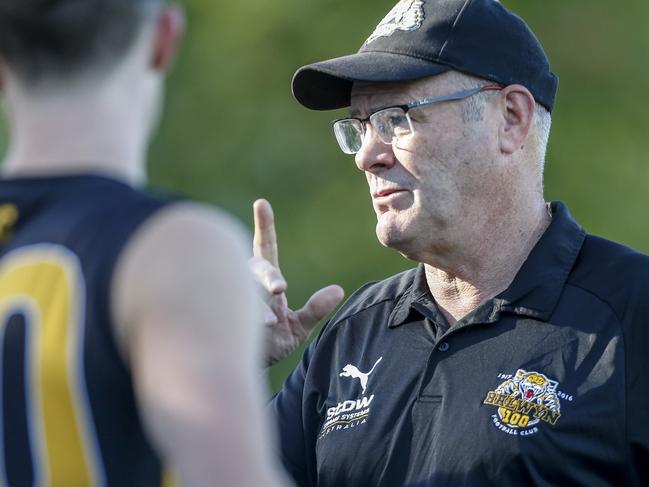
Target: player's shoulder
[[185, 239], [185, 249], [186, 225]]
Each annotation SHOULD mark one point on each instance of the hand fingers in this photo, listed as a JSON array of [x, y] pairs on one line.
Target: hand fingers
[[269, 318], [320, 305], [268, 276], [279, 306], [264, 240]]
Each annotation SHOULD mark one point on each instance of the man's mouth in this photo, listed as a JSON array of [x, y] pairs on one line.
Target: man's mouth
[[385, 192]]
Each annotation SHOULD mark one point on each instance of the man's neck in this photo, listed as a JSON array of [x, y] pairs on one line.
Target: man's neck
[[80, 131], [495, 261]]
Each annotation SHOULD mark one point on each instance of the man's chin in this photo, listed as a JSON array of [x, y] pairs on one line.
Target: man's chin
[[391, 236]]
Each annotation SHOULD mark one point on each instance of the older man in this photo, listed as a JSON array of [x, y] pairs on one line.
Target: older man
[[514, 354]]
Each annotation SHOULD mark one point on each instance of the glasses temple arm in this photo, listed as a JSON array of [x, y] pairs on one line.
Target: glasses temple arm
[[453, 96]]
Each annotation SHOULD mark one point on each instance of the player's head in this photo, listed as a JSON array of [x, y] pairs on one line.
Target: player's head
[[472, 89], [58, 41]]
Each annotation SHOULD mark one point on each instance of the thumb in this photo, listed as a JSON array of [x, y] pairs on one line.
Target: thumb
[[319, 305]]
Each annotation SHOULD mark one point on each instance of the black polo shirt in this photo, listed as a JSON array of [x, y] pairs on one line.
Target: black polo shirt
[[546, 384]]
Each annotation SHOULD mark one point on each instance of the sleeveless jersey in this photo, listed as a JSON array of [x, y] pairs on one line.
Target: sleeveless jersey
[[68, 415]]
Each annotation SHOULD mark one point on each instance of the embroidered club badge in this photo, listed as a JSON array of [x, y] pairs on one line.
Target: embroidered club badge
[[523, 401]]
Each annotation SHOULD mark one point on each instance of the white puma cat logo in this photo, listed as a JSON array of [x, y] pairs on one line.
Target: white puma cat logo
[[352, 371]]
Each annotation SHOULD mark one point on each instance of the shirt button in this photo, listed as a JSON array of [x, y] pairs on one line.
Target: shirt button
[[443, 347]]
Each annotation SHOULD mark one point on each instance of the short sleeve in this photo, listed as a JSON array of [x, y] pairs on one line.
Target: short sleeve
[[286, 408]]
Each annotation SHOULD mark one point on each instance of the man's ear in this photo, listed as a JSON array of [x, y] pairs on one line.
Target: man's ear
[[518, 108], [169, 30]]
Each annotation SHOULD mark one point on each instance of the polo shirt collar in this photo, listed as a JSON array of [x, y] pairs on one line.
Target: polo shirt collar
[[539, 283], [416, 293], [535, 290]]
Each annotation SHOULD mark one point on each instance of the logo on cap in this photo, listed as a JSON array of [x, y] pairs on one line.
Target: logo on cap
[[406, 15]]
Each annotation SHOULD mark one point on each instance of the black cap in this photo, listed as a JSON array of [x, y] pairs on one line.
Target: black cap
[[420, 38]]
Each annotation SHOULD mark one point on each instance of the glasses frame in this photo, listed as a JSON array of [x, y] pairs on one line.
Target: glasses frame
[[362, 122]]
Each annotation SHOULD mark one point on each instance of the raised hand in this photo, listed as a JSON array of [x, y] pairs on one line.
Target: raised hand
[[287, 328]]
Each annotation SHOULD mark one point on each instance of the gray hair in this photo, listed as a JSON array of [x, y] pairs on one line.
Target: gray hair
[[473, 111]]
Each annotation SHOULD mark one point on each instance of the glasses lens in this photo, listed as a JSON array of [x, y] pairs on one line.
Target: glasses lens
[[390, 124], [349, 134]]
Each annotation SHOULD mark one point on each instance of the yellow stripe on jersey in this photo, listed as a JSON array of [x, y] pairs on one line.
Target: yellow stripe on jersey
[[44, 283], [169, 479]]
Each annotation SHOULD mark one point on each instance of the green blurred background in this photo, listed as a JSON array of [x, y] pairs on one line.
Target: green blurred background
[[233, 133]]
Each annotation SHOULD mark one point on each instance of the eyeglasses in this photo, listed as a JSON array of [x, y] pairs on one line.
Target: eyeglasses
[[390, 123]]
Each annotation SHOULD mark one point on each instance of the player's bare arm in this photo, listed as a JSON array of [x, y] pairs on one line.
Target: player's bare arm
[[178, 291], [287, 328]]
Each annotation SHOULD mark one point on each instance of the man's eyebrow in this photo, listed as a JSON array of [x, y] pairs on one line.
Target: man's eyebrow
[[357, 113]]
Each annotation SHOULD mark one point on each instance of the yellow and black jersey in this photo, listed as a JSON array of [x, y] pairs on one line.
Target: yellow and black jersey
[[68, 415]]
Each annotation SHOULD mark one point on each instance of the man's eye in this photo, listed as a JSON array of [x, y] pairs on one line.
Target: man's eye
[[417, 116]]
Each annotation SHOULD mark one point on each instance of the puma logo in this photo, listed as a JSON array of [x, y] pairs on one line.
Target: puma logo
[[352, 371]]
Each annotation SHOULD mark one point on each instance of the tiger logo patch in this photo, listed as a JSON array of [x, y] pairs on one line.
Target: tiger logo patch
[[524, 401], [407, 15]]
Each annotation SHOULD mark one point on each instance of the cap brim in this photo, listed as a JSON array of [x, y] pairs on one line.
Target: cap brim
[[327, 85]]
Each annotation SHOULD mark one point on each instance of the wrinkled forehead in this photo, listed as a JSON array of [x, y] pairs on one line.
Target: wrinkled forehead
[[367, 97]]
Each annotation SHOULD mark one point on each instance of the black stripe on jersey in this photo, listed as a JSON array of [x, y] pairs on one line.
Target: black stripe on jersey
[[19, 468], [127, 455]]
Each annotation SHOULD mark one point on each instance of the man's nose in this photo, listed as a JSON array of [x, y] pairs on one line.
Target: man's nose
[[374, 155]]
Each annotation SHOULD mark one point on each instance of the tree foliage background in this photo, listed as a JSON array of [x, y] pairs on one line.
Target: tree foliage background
[[232, 131]]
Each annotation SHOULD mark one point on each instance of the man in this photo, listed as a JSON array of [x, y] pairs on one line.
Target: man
[[514, 354], [129, 345]]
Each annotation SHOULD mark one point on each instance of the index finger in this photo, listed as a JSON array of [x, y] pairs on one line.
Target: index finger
[[264, 243]]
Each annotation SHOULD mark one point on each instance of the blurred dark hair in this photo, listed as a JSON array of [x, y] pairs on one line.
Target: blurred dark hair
[[61, 38]]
